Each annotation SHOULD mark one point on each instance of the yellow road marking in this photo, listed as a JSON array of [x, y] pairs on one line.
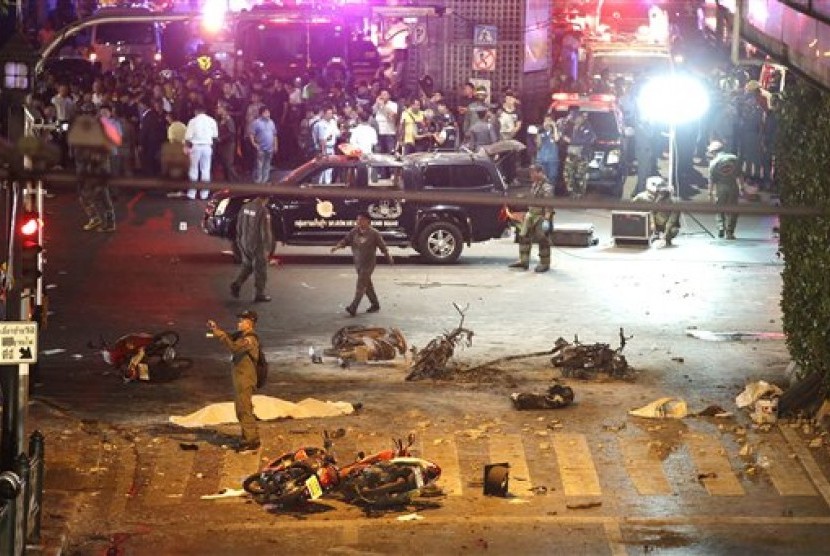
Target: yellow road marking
[[644, 466], [445, 454], [579, 476], [509, 448], [713, 465]]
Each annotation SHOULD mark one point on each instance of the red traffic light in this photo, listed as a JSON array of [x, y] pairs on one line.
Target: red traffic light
[[29, 225]]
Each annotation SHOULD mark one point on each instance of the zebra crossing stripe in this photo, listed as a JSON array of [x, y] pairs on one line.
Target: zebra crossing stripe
[[169, 472], [788, 478], [806, 458], [644, 466], [713, 466], [444, 452], [509, 448], [576, 467]]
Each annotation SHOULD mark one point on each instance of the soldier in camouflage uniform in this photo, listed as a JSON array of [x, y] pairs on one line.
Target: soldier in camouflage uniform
[[537, 224], [579, 137], [725, 183]]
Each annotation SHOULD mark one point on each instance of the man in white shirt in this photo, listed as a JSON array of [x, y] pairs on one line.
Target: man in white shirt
[[202, 131], [386, 116], [324, 133], [363, 136]]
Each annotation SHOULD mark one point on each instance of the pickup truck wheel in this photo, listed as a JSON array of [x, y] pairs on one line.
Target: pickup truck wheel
[[440, 242]]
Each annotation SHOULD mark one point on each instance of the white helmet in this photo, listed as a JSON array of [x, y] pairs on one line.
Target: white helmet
[[655, 184], [714, 147]]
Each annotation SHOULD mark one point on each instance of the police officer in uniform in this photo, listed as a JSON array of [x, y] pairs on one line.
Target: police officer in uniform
[[244, 347], [365, 242], [662, 222], [254, 239], [537, 224], [724, 185], [578, 136]]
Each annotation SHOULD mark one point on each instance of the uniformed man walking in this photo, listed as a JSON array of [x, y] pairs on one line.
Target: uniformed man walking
[[365, 242], [244, 347], [254, 239], [724, 186], [578, 136], [537, 224]]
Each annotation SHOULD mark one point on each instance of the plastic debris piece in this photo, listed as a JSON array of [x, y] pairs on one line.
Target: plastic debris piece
[[225, 493], [663, 408], [410, 517], [755, 391]]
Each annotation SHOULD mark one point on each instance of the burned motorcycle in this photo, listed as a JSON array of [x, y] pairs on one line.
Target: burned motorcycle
[[556, 397], [366, 343], [144, 356], [431, 362], [584, 361]]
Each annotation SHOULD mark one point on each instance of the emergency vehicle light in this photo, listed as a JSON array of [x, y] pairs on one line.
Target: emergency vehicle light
[[602, 98], [565, 96]]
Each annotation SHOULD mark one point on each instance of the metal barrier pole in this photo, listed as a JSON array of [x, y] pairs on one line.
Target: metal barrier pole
[[10, 489], [23, 468], [37, 455]]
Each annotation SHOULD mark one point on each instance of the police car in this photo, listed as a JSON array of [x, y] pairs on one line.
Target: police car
[[607, 166], [438, 231]]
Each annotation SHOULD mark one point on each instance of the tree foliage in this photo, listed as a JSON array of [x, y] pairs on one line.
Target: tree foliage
[[802, 156]]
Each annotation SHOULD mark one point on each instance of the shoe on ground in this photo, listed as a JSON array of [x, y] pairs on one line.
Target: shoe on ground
[[373, 309], [541, 268], [93, 223], [351, 310], [247, 447], [235, 289], [519, 264], [262, 298], [106, 228], [720, 234]]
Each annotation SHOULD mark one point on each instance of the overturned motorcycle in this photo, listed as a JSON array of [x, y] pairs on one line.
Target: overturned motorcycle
[[387, 478], [144, 356], [585, 361], [365, 343]]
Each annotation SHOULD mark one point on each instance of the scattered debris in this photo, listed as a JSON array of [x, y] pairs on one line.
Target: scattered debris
[[766, 411], [585, 361], [714, 411], [431, 362], [702, 476], [496, 479], [557, 396], [817, 442], [55, 351], [664, 408], [539, 490], [678, 359], [410, 517], [583, 505], [733, 336], [225, 493], [614, 428], [188, 446], [755, 391], [746, 450]]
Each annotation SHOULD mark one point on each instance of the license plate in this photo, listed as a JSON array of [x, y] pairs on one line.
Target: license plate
[[419, 477], [314, 488]]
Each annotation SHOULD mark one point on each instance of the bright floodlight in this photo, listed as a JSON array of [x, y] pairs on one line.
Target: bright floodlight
[[673, 99], [213, 15]]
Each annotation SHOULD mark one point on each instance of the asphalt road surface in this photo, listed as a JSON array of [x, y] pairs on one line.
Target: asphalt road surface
[[587, 479]]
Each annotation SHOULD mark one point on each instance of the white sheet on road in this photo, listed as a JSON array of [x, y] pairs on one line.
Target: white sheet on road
[[266, 408]]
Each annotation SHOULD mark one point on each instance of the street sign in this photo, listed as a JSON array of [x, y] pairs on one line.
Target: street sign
[[18, 342], [418, 34], [485, 35], [484, 59]]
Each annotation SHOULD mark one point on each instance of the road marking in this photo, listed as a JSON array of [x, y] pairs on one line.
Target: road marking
[[579, 476], [810, 465], [786, 475], [509, 448], [713, 465], [169, 473], [445, 454], [236, 467], [644, 466], [615, 538], [123, 491]]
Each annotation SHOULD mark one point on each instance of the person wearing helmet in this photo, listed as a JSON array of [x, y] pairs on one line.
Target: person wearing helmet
[[724, 185], [537, 224], [663, 222]]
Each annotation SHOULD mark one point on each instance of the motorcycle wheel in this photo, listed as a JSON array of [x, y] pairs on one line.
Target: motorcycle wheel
[[282, 488], [385, 485]]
